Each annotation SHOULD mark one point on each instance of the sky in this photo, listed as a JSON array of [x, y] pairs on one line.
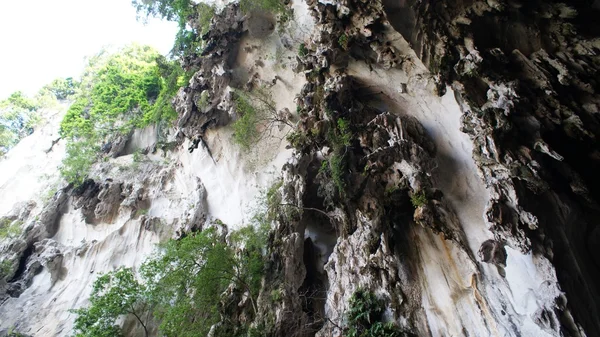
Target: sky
[[41, 40]]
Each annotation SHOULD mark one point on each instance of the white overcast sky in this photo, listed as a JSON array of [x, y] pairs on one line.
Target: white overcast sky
[[44, 39]]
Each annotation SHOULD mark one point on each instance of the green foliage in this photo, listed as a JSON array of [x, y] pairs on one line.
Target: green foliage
[[114, 294], [18, 117], [171, 77], [119, 92], [62, 88], [276, 295], [141, 211], [364, 317], [302, 50], [12, 333], [205, 14], [418, 199], [337, 164], [10, 229], [182, 285], [137, 156], [297, 139], [172, 10], [186, 282], [80, 156], [273, 6], [343, 41], [245, 129], [187, 40], [250, 264], [6, 268], [339, 138], [344, 135], [273, 199]]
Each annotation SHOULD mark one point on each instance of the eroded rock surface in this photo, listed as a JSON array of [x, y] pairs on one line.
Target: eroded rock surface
[[445, 158]]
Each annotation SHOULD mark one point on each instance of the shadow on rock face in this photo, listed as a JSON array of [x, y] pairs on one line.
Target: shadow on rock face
[[260, 24]]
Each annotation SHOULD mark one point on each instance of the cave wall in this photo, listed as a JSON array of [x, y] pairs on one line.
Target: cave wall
[[526, 75]]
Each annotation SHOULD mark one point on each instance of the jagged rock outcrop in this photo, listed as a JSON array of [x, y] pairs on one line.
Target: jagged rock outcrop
[[526, 74], [206, 101], [514, 134]]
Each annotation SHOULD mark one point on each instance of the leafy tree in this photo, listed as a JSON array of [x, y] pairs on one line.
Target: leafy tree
[[190, 277], [81, 155], [118, 92], [172, 10], [183, 285], [187, 40], [114, 294], [18, 116], [62, 88]]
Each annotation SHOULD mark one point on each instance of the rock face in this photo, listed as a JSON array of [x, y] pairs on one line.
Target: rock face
[[526, 76], [445, 158]]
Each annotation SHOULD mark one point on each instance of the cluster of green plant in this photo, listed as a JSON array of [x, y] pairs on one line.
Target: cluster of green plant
[[273, 200], [365, 317], [297, 139], [337, 165], [188, 39], [245, 129], [418, 199], [302, 50], [272, 6], [18, 117], [113, 295], [62, 88], [256, 110], [12, 333], [10, 229], [339, 137], [118, 92], [180, 288], [6, 267], [343, 41], [141, 211]]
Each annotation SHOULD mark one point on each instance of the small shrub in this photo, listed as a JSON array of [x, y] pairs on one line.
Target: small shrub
[[10, 229], [245, 128], [302, 50], [297, 139], [6, 268], [137, 156], [345, 135], [276, 295], [365, 315], [272, 6], [141, 211], [418, 199], [343, 41]]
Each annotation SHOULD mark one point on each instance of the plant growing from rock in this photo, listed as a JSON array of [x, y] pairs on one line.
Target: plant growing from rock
[[418, 199], [302, 50], [343, 41], [118, 92], [257, 112], [10, 229], [365, 317]]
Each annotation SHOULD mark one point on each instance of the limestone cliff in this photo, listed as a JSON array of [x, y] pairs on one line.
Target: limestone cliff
[[440, 154]]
